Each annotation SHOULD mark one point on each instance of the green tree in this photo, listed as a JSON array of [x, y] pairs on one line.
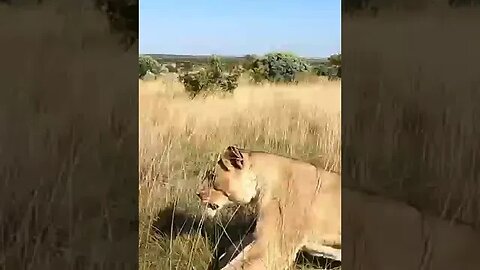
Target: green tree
[[335, 59], [278, 67], [148, 63]]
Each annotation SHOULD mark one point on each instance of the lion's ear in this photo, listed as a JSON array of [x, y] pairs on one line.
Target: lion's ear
[[234, 157], [225, 164]]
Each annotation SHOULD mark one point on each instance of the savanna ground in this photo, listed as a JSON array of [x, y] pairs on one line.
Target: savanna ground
[[179, 140]]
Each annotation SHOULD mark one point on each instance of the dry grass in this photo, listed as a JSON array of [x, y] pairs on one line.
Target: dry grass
[[179, 138]]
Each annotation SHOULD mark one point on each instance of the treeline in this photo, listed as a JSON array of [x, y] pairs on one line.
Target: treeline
[[220, 75]]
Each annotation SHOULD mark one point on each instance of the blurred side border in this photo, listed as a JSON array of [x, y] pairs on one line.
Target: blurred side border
[[69, 135], [410, 129]]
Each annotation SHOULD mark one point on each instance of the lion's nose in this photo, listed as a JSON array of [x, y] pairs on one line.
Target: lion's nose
[[213, 206]]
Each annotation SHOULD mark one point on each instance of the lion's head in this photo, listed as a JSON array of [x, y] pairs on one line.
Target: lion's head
[[232, 181]]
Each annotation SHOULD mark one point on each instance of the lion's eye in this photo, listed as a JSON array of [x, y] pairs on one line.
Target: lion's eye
[[222, 191]]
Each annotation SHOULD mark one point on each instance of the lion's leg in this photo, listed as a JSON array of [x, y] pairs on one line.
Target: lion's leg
[[277, 242], [250, 258], [236, 252], [254, 263], [236, 262], [265, 254], [281, 255], [324, 251]]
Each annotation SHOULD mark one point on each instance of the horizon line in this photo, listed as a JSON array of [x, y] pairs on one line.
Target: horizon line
[[226, 55]]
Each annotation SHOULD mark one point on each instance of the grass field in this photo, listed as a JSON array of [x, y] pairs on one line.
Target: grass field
[[179, 138]]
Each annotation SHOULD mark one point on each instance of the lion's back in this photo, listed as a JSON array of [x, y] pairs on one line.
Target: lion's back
[[305, 188]]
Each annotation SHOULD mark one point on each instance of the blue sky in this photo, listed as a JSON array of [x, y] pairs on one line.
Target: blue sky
[[238, 27]]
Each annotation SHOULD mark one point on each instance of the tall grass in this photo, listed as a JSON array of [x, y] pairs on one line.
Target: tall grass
[[179, 139]]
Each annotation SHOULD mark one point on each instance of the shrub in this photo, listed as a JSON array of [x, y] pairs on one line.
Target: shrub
[[248, 60], [171, 67], [147, 63], [185, 65], [320, 70], [335, 59], [335, 62], [210, 79], [332, 69], [277, 67], [333, 73]]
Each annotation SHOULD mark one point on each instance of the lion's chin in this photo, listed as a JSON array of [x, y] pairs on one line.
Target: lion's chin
[[210, 212]]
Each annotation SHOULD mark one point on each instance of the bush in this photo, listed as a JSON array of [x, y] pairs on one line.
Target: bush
[[335, 62], [147, 63], [321, 70], [171, 67], [277, 67], [332, 69], [335, 59], [185, 65], [333, 73], [248, 61], [210, 79]]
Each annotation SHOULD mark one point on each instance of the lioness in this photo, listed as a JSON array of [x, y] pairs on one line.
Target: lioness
[[299, 206]]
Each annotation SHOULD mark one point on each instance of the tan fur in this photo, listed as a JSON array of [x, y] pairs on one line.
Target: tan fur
[[299, 206]]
